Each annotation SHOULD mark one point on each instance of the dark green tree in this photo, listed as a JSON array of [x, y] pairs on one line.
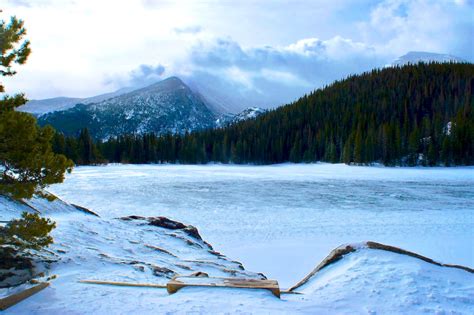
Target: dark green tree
[[21, 240], [31, 232], [27, 162], [396, 116]]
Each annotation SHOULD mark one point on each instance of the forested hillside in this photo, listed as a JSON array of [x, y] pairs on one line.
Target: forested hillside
[[414, 115]]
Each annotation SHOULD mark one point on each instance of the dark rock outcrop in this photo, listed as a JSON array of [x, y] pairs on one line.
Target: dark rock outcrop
[[169, 224]]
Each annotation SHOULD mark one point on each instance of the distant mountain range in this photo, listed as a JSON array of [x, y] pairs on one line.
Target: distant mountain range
[[168, 106], [414, 57], [40, 107]]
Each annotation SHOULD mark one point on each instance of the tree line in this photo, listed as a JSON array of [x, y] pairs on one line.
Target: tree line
[[412, 115]]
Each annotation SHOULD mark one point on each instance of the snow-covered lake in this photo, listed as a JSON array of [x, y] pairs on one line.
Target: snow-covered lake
[[282, 220]]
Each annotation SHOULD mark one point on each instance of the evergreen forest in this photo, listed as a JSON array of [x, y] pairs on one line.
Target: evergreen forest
[[412, 115]]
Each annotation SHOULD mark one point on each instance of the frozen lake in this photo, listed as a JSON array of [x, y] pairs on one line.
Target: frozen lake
[[282, 220]]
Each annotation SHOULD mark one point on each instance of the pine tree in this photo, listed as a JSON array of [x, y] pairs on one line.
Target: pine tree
[[358, 148], [27, 162]]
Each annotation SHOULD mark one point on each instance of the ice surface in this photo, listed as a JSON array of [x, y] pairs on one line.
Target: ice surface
[[282, 220]]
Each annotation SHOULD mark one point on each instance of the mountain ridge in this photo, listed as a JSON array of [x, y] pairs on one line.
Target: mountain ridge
[[166, 106]]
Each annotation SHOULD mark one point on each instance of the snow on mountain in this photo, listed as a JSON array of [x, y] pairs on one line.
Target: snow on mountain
[[41, 107], [166, 106], [248, 113], [414, 57]]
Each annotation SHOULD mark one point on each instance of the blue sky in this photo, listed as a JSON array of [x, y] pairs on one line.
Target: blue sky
[[252, 49]]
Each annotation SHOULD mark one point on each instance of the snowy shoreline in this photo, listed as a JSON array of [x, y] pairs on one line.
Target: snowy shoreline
[[353, 279]]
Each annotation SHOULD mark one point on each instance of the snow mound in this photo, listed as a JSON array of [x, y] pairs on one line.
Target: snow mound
[[375, 278], [343, 250]]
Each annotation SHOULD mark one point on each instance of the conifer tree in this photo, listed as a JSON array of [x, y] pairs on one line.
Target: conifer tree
[[27, 162]]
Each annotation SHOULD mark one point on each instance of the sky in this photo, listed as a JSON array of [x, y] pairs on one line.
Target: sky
[[255, 52]]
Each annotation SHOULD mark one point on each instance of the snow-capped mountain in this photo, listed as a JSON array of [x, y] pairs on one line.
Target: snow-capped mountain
[[414, 57], [41, 107], [166, 106], [248, 113]]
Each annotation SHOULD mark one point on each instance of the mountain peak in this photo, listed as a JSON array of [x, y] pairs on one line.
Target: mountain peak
[[168, 84]]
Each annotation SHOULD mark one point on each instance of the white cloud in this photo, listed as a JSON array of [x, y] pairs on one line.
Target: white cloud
[[269, 76], [193, 30], [271, 51], [398, 26]]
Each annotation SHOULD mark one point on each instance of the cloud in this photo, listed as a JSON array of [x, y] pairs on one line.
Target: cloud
[[269, 76], [141, 76], [249, 53], [188, 30], [146, 74], [19, 3], [399, 26]]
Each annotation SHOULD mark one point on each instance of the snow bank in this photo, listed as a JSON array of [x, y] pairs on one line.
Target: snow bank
[[374, 281], [131, 249]]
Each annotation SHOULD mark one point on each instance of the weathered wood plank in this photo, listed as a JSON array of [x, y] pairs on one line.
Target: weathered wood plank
[[178, 283], [16, 298], [124, 284]]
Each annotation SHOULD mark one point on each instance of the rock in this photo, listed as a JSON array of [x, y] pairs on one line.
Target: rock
[[193, 232], [80, 208], [139, 268], [14, 270], [162, 271], [166, 223], [199, 274], [160, 250], [132, 217]]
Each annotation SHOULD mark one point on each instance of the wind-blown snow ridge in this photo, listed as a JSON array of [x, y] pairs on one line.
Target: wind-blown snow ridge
[[343, 250]]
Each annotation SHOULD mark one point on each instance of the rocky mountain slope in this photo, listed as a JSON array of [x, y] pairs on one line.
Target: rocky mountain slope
[[248, 113], [41, 107], [167, 106]]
